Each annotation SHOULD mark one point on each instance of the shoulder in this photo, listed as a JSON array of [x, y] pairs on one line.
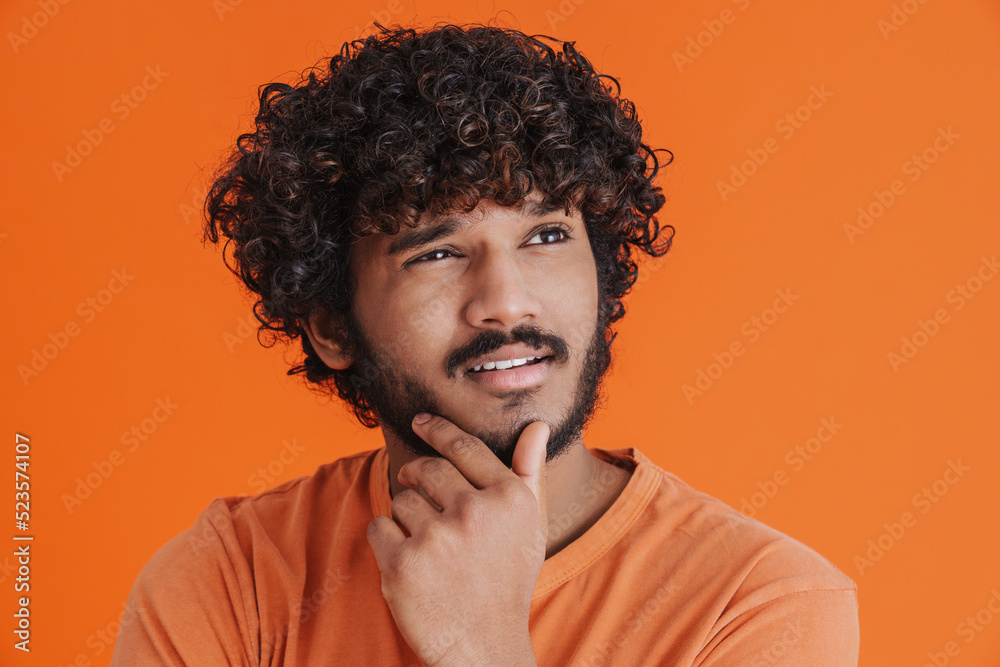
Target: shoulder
[[192, 599], [298, 521], [201, 587], [769, 594], [752, 551], [763, 597], [221, 536]]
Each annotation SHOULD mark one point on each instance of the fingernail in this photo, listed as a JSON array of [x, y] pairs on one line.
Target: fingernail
[[421, 418]]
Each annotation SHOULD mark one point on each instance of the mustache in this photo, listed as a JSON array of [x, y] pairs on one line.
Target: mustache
[[489, 341]]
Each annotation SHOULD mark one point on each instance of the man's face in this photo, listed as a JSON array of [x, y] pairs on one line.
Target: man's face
[[427, 309]]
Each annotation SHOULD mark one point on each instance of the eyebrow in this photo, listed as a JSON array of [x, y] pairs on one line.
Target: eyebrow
[[421, 236]]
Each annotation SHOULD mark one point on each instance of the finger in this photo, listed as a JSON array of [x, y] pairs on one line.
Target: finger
[[419, 490], [467, 453], [529, 464], [437, 479], [384, 538], [412, 511]]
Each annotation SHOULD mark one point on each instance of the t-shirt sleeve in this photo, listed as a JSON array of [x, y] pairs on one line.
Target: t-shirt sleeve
[[814, 628], [193, 601]]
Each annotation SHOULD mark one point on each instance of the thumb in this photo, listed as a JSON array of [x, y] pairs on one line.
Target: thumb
[[529, 464]]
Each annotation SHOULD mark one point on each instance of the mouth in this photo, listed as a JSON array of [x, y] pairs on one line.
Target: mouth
[[505, 375], [491, 367]]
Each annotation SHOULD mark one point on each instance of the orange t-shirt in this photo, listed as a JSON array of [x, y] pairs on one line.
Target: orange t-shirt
[[667, 576]]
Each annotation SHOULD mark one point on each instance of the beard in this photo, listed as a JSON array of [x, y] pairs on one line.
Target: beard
[[396, 396]]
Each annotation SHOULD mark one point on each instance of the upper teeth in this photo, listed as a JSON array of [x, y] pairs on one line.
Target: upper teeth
[[501, 365]]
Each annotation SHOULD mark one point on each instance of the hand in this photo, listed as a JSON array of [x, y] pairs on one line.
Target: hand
[[459, 583]]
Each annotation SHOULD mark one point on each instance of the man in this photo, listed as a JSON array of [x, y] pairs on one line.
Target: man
[[447, 218]]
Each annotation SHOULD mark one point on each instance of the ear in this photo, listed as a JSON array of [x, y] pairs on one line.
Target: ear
[[327, 339]]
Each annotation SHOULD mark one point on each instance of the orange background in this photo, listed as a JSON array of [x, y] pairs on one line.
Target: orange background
[[174, 332]]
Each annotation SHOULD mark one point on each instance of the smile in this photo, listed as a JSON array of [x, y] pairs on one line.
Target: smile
[[504, 365], [511, 374]]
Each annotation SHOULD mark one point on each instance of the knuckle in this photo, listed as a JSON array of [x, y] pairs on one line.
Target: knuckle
[[375, 526], [434, 533], [398, 566], [433, 466], [434, 470], [465, 444], [438, 427], [510, 489], [407, 498], [514, 495], [468, 508]]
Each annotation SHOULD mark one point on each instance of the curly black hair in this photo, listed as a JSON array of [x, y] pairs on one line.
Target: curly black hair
[[405, 122]]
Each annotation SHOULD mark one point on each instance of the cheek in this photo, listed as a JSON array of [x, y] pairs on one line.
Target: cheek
[[574, 304], [409, 327], [428, 314], [399, 320]]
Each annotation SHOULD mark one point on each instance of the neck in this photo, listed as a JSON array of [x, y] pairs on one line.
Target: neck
[[580, 489]]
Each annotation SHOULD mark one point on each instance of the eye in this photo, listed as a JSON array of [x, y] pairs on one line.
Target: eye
[[430, 256], [548, 231]]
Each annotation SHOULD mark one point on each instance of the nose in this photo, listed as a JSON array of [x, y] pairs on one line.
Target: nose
[[503, 292]]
